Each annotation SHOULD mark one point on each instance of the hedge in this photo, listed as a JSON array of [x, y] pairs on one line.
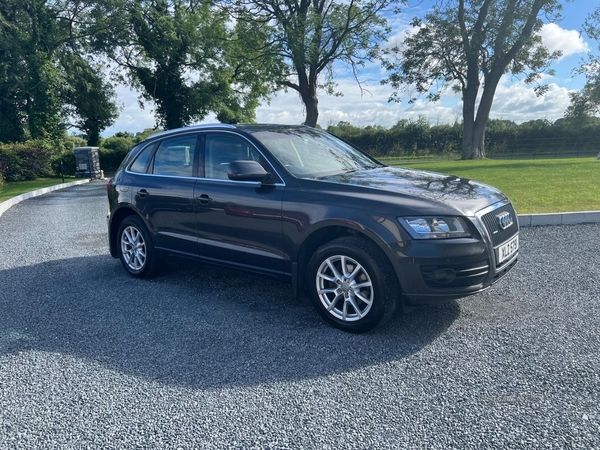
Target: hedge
[[503, 139], [25, 161]]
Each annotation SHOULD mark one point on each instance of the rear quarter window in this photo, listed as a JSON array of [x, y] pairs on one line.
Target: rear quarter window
[[140, 165]]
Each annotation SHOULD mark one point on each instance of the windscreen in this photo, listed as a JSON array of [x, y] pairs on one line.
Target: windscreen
[[310, 153]]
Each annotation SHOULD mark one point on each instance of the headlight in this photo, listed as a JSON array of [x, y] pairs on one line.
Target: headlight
[[435, 227]]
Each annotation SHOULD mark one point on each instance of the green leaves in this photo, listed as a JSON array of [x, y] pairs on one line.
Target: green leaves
[[88, 97], [189, 59], [38, 38]]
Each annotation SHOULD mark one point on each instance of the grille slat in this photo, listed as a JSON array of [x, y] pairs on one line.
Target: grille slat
[[491, 224]]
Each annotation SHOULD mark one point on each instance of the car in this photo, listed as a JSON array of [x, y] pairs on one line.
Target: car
[[303, 206]]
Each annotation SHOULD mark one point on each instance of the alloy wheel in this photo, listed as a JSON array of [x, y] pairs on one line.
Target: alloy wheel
[[133, 248], [344, 288]]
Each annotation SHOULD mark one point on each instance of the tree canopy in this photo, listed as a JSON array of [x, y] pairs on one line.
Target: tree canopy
[[38, 40], [188, 59], [468, 45], [89, 99]]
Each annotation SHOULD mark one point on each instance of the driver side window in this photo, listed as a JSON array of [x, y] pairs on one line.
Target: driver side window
[[221, 150]]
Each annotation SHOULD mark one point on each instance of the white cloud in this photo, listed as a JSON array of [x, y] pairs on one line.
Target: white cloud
[[518, 101], [369, 109], [397, 39], [569, 42]]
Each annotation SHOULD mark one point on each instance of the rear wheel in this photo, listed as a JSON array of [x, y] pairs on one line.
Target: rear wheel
[[352, 285], [136, 251]]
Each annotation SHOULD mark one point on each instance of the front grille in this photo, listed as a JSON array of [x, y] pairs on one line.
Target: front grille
[[497, 234]]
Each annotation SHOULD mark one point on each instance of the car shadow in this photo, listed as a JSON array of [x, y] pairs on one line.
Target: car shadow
[[195, 325]]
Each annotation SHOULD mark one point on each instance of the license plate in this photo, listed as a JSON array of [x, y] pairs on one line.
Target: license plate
[[508, 249]]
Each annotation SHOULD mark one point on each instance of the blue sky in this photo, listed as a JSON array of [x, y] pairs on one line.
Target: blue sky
[[514, 100]]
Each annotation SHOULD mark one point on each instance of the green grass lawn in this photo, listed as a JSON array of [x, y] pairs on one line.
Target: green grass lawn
[[10, 190], [534, 186]]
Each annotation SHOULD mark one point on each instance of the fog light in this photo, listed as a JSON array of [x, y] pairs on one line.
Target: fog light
[[444, 276]]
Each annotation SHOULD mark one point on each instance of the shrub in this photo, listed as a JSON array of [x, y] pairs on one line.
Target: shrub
[[110, 160], [25, 161], [10, 164], [68, 159], [35, 159], [118, 144]]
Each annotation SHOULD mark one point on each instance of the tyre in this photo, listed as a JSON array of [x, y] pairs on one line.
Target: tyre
[[136, 251], [352, 284]]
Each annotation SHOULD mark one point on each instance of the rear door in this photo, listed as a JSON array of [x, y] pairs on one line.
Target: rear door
[[164, 194], [238, 223]]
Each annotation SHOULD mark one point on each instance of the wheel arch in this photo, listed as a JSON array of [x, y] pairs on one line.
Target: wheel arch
[[116, 219], [329, 232]]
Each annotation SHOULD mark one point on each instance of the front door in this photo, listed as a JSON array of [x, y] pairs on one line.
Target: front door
[[237, 222]]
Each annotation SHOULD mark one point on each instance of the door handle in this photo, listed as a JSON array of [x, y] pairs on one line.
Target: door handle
[[143, 193], [205, 199]]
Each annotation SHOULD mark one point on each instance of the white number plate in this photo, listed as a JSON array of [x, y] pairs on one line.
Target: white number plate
[[508, 249]]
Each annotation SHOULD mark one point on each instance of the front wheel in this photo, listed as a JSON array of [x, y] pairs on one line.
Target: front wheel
[[136, 251], [352, 285]]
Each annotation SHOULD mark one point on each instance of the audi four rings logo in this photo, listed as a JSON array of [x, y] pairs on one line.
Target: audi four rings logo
[[504, 220]]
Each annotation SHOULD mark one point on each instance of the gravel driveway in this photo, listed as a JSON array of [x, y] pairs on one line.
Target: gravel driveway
[[205, 358]]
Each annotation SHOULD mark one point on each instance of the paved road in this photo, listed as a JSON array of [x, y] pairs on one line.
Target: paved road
[[203, 358]]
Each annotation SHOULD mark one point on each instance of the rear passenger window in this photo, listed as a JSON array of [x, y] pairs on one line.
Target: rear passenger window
[[175, 157], [140, 165]]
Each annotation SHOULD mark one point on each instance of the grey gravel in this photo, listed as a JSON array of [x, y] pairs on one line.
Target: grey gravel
[[205, 358]]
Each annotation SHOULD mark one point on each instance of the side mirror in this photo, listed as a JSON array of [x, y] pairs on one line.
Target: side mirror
[[247, 170]]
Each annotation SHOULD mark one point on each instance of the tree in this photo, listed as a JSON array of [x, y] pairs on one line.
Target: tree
[[586, 102], [90, 99], [29, 81], [12, 101], [469, 45], [35, 35], [310, 36], [188, 60]]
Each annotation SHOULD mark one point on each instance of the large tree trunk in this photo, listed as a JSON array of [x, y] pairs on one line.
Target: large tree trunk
[[473, 146], [93, 137], [311, 103], [312, 112], [474, 139], [474, 128], [470, 148]]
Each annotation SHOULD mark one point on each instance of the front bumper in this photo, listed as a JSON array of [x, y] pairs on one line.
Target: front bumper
[[433, 271]]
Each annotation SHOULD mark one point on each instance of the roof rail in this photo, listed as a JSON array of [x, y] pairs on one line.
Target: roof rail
[[191, 128]]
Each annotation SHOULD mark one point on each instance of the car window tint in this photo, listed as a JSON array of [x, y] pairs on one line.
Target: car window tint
[[140, 165], [221, 151], [175, 157]]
